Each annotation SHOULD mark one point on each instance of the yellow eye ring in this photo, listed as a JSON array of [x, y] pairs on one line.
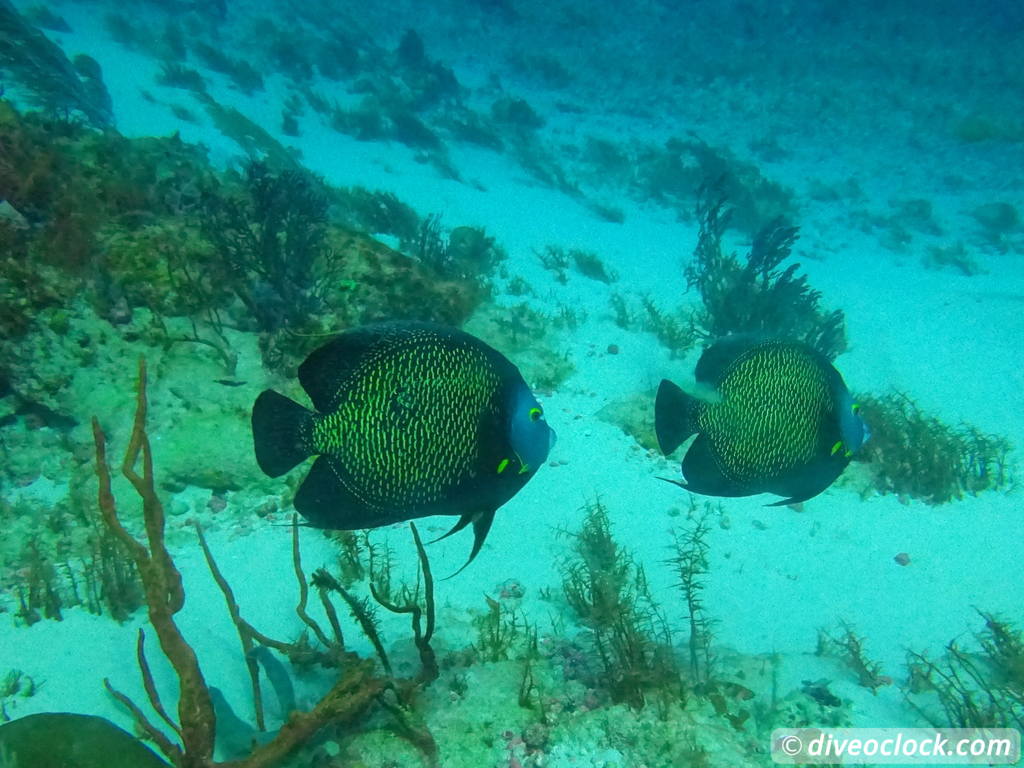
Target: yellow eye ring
[[535, 414]]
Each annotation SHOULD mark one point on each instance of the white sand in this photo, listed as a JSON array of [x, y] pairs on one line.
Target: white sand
[[951, 342]]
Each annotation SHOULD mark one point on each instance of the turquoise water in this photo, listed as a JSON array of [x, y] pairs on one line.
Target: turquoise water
[[598, 192]]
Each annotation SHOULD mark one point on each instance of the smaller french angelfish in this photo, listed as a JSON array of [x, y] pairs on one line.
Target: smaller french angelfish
[[409, 420], [770, 417]]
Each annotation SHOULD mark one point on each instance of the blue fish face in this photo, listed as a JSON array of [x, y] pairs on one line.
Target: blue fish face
[[852, 429], [529, 434]]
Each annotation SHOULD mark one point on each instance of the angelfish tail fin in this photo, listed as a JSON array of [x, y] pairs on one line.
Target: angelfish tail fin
[[673, 416], [277, 432]]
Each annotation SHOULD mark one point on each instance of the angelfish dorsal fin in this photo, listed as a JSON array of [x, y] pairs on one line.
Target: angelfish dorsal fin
[[716, 360], [330, 364]]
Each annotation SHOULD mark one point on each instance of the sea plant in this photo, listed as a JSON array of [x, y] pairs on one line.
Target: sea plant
[[673, 330], [608, 591], [974, 688], [998, 221], [61, 557], [589, 264], [39, 591], [502, 632], [111, 578], [954, 255], [14, 685], [622, 314], [848, 646], [175, 75], [914, 454], [676, 172], [689, 560], [755, 295], [416, 601], [246, 77], [467, 253], [378, 213], [352, 555]]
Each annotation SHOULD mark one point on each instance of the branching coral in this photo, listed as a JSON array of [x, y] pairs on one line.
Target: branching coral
[[165, 596], [756, 297], [416, 601], [272, 242], [356, 689]]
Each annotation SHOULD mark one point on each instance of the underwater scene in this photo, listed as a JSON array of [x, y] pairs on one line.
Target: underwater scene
[[508, 383]]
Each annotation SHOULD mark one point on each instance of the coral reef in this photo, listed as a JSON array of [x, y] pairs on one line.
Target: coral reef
[[50, 80], [113, 245], [915, 455], [526, 336], [271, 241]]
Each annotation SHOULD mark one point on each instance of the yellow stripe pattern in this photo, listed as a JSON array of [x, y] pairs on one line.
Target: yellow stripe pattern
[[407, 428], [776, 405]]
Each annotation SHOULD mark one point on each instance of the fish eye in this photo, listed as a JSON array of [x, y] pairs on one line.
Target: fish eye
[[535, 414], [855, 408]]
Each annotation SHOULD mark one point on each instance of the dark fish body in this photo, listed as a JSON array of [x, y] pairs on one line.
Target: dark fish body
[[780, 421], [66, 740], [409, 420]]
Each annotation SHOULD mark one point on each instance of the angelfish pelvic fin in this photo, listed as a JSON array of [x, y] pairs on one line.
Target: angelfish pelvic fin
[[481, 526], [462, 523]]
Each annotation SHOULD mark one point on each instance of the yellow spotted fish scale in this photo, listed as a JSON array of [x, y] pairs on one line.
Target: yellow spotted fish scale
[[406, 423], [776, 401]]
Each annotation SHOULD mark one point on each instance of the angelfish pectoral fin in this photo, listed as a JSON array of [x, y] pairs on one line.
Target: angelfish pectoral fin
[[481, 526]]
